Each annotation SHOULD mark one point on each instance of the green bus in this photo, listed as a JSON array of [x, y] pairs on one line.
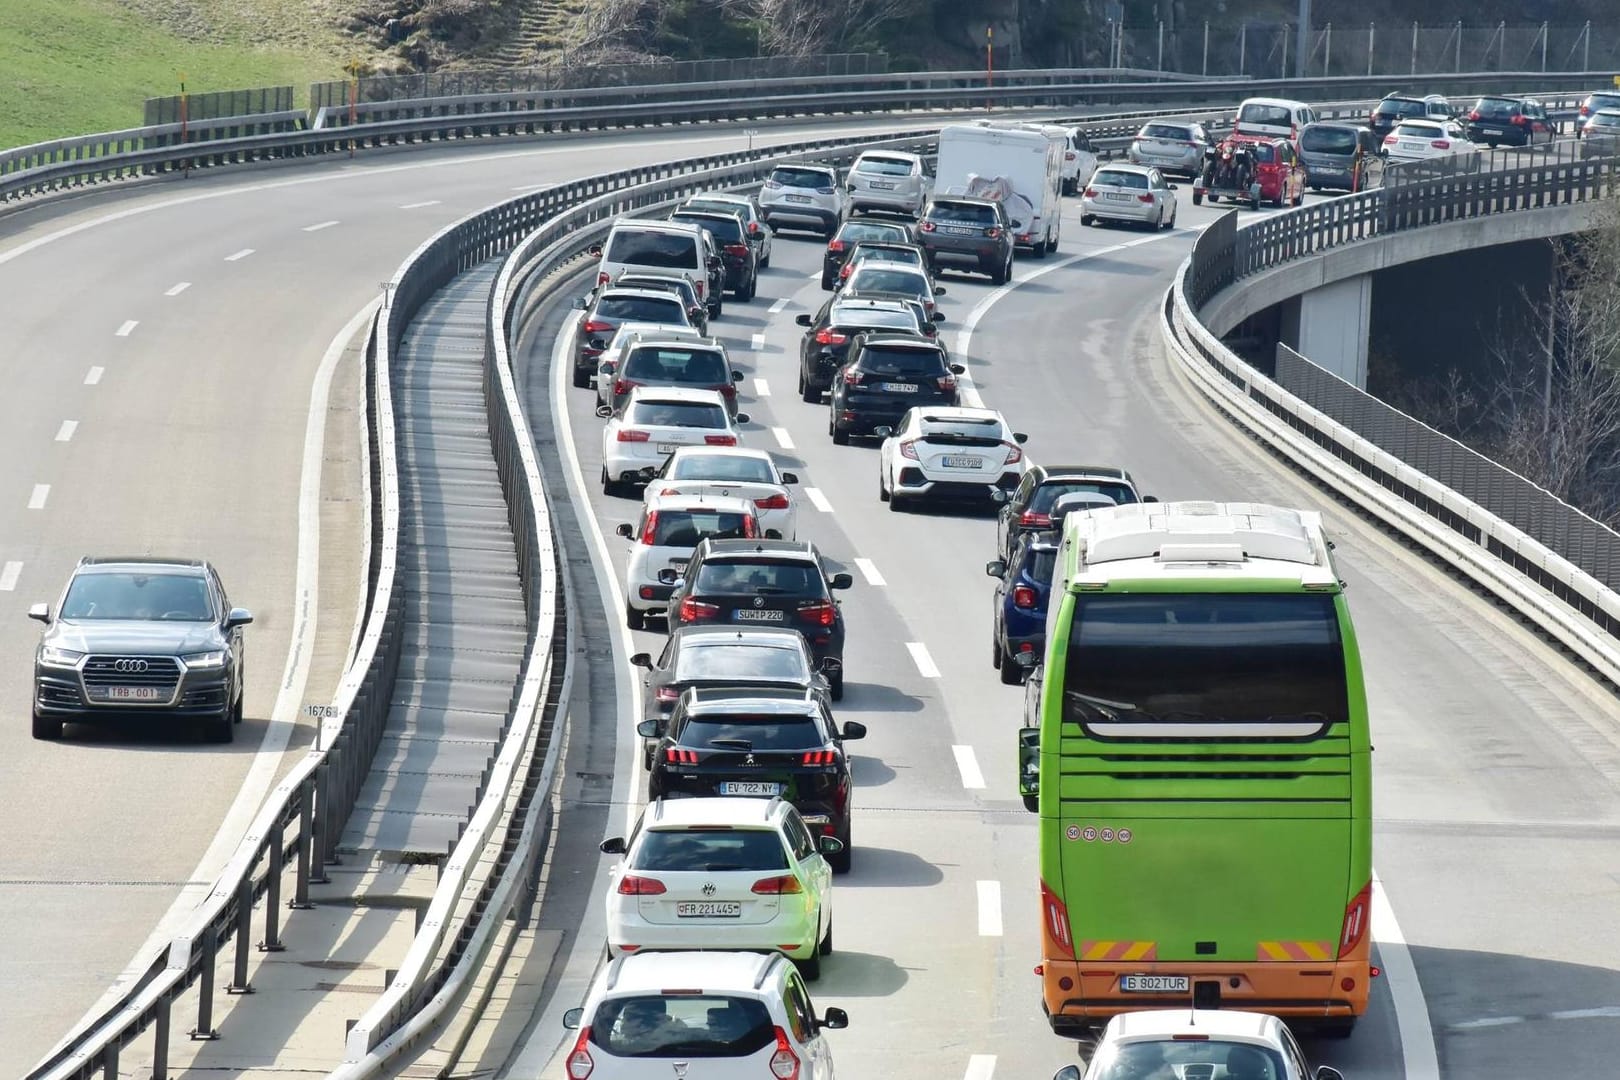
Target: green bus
[[1200, 761]]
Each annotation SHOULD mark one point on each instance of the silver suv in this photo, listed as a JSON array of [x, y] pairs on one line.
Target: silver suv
[[887, 180], [140, 638], [803, 197]]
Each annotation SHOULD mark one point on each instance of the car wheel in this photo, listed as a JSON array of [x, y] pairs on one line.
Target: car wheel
[[995, 653], [1087, 220], [883, 492], [840, 862], [634, 618], [1198, 197], [1032, 803], [582, 379], [828, 281], [835, 686], [840, 437], [715, 310], [1037, 250], [219, 729], [826, 942], [47, 727], [1000, 274], [810, 966], [1012, 673], [608, 486], [239, 708]]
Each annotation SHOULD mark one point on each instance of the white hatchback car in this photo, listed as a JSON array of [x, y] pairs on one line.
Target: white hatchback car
[[735, 1016], [1201, 1043], [607, 365], [1131, 193], [666, 535], [722, 873], [1421, 140], [655, 422], [948, 452], [731, 471], [887, 180]]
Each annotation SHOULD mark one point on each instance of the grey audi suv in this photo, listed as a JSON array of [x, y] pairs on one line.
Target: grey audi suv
[[140, 639]]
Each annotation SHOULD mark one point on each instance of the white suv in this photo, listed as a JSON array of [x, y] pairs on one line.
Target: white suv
[[667, 534], [803, 197], [949, 452], [887, 180], [746, 1015], [722, 873]]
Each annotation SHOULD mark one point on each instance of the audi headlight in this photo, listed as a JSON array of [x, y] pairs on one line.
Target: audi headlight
[[213, 659], [56, 656]]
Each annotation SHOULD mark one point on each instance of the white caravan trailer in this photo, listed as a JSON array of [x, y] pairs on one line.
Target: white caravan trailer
[[1019, 168]]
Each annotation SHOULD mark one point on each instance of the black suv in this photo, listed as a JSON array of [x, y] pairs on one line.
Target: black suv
[[828, 334], [761, 743], [606, 310], [851, 233], [1029, 507], [731, 236], [1510, 121], [1387, 115], [888, 375], [140, 638], [958, 229], [764, 583]]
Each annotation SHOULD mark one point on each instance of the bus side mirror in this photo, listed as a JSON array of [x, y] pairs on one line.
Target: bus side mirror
[[1029, 764]]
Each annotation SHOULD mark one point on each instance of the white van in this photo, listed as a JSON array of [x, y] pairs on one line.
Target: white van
[[1019, 168], [662, 246], [1275, 118]]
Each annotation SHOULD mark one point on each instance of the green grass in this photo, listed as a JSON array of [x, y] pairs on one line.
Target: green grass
[[72, 67]]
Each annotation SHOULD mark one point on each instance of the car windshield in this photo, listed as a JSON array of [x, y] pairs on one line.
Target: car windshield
[[1120, 178], [788, 176], [174, 597], [1328, 140], [1053, 490], [963, 213], [759, 577], [883, 166], [652, 248], [1166, 131], [691, 414], [711, 849], [1265, 115], [687, 1025], [1491, 108], [722, 467], [726, 228], [921, 363], [1144, 1060], [653, 309], [684, 528], [665, 363], [734, 660], [882, 279], [758, 732]]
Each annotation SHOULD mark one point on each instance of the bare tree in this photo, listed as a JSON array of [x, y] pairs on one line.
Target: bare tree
[[806, 27]]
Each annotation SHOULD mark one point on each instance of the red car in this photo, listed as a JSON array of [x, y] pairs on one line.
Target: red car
[[1252, 169], [1278, 168]]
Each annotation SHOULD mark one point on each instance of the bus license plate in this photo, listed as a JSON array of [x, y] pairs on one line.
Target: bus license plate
[[757, 787], [1153, 984], [955, 462], [708, 909]]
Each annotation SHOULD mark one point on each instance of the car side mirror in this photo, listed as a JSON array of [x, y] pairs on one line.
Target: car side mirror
[[1327, 1072], [613, 845], [773, 534], [829, 665], [829, 845], [841, 581], [883, 431], [938, 316], [1016, 224], [1029, 767], [1172, 187], [1020, 437], [625, 529], [714, 262], [835, 1019], [996, 568], [789, 478], [958, 369], [743, 418], [572, 1018], [854, 729], [603, 411], [939, 290], [582, 303], [594, 249], [648, 729], [608, 367], [804, 320], [999, 497], [642, 659], [238, 617], [668, 576], [1150, 498], [648, 473], [39, 612], [736, 376], [1068, 1072]]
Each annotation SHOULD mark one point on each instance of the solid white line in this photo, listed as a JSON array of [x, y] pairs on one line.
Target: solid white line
[[65, 432], [783, 439], [238, 256], [869, 571], [989, 909], [815, 275], [777, 307], [127, 328], [762, 388], [1405, 991], [920, 657], [968, 765], [36, 501], [757, 342], [319, 225], [818, 500], [980, 1067], [176, 290], [94, 375], [9, 575], [419, 205]]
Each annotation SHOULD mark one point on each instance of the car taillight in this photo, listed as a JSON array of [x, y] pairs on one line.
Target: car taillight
[[1519, 121], [772, 502], [624, 386], [994, 234], [753, 228], [1586, 110], [750, 526], [596, 326], [579, 1061], [1355, 921], [1015, 453], [825, 190], [1056, 915], [1474, 114], [772, 185], [1372, 117], [835, 246], [909, 449], [670, 491], [946, 382], [697, 611], [668, 693], [819, 757], [844, 272], [649, 530], [1390, 138], [697, 287], [676, 756], [777, 886], [720, 440], [784, 1063], [1144, 198], [633, 435], [602, 277], [725, 389], [826, 336], [1440, 144], [1068, 155], [927, 226], [1091, 193], [1023, 596], [739, 250], [852, 377], [817, 612], [1030, 518], [631, 885]]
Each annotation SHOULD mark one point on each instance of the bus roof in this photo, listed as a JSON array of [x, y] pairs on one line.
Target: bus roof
[[1192, 541]]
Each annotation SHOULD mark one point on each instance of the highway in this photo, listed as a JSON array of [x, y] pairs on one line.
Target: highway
[[1497, 761]]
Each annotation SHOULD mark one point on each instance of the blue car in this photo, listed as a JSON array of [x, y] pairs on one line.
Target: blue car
[[1025, 583]]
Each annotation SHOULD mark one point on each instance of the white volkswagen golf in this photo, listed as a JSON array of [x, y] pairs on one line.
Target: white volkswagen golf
[[669, 531], [949, 453], [735, 471], [655, 422]]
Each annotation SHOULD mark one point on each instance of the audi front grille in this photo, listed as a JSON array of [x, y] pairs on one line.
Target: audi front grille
[[159, 672]]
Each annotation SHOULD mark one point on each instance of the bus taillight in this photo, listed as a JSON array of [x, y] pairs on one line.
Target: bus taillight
[[1355, 921], [1057, 922]]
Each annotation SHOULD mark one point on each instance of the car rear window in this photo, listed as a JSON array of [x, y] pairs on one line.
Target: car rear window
[[1040, 565], [1420, 131], [726, 228], [650, 248], [693, 414], [963, 213], [883, 166], [688, 1025], [883, 279], [881, 360], [735, 661], [722, 205], [1120, 178], [788, 176], [869, 319], [172, 597], [1053, 490], [759, 577], [651, 309], [1328, 140], [770, 732], [659, 362], [1166, 131], [870, 230], [722, 467], [675, 286], [1394, 108], [1494, 107], [891, 254], [1606, 118], [684, 528], [1266, 115], [710, 850], [1263, 151]]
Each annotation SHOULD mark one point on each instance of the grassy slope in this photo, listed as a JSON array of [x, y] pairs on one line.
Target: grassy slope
[[70, 67]]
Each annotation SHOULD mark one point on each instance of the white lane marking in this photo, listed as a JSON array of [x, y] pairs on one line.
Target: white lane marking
[[127, 328], [1405, 991], [65, 432], [1602, 1012], [1488, 1022], [533, 187], [818, 500], [989, 909], [319, 225], [762, 388], [980, 1067], [9, 575], [776, 308], [870, 572], [36, 501], [968, 765], [239, 256], [419, 205], [94, 375], [783, 439], [261, 774], [815, 275], [177, 289], [757, 342], [925, 663]]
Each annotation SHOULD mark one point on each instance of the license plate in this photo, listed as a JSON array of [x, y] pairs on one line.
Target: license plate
[[798, 198], [130, 693], [1117, 197], [958, 230], [1153, 984], [759, 615], [708, 909], [899, 387], [957, 462], [667, 447], [1493, 131], [757, 787]]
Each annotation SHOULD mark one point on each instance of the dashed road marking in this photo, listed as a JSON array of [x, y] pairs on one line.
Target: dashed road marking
[[757, 342], [818, 500], [9, 575], [968, 765], [776, 308], [980, 1067], [762, 388], [419, 205], [94, 375], [783, 439], [239, 255], [925, 663], [36, 501], [177, 289], [869, 571], [989, 909], [319, 225], [127, 328], [65, 432]]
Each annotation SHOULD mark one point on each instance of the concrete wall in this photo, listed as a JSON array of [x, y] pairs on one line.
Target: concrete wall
[[1331, 326]]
